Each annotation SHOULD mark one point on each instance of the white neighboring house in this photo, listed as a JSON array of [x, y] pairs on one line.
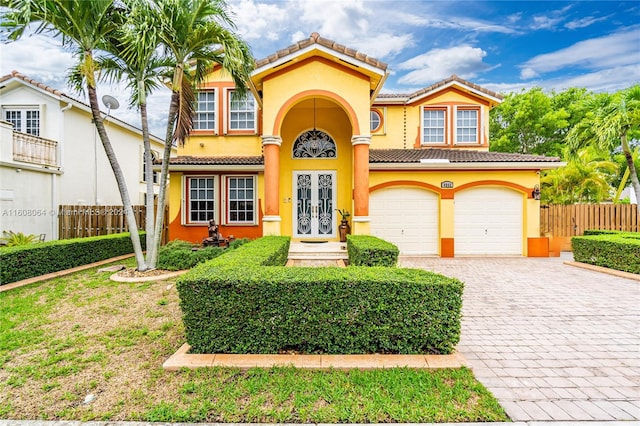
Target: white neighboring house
[[51, 154]]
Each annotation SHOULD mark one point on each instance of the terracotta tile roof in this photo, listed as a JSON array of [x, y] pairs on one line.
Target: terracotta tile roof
[[56, 92], [257, 160], [409, 96], [315, 38], [453, 155], [16, 74]]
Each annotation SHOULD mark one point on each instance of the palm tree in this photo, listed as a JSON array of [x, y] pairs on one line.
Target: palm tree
[[134, 55], [195, 34], [83, 25], [585, 179], [609, 119]]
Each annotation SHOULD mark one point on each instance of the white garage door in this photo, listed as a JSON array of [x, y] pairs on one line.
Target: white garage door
[[488, 221], [407, 217]]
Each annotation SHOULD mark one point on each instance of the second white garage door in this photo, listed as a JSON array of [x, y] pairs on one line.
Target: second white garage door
[[488, 221], [407, 217]]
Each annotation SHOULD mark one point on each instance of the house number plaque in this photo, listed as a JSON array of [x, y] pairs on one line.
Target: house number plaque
[[446, 184]]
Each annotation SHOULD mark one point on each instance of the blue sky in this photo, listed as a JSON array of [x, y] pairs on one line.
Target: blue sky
[[502, 45]]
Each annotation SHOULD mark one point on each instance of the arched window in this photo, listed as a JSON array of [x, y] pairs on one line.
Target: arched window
[[314, 144]]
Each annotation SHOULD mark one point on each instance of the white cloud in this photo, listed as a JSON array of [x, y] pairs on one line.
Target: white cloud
[[614, 50], [38, 57], [256, 21], [584, 22], [607, 80], [42, 59], [437, 64], [549, 21], [545, 22]]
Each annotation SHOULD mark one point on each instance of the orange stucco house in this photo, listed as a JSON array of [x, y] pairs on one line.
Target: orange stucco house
[[316, 135]]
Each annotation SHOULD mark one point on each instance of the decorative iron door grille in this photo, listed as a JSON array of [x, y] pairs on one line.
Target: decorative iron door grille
[[315, 194]]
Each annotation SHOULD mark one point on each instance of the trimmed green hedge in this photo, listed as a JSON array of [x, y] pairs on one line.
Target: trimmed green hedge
[[627, 234], [620, 250], [178, 255], [365, 250], [232, 305], [265, 251], [22, 262]]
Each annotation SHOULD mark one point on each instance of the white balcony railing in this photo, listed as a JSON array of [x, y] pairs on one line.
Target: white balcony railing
[[34, 149]]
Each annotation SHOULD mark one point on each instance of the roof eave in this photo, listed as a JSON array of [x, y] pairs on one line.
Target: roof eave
[[213, 167], [502, 165], [349, 60], [494, 100]]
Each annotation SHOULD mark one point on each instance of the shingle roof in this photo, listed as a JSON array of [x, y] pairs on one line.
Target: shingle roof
[[453, 155], [256, 160], [435, 86], [315, 38]]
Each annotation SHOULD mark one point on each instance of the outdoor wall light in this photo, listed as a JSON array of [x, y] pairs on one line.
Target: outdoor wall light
[[536, 192]]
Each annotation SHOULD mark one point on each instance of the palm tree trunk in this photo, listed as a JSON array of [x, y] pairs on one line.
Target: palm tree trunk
[[148, 159], [117, 171], [633, 173], [164, 174]]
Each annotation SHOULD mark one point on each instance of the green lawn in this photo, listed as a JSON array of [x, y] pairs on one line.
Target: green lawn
[[82, 334]]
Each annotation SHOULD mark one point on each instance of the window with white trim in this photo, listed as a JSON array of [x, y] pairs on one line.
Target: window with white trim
[[205, 116], [24, 120], [242, 111], [240, 199], [201, 199], [433, 122], [375, 120], [467, 126], [156, 174]]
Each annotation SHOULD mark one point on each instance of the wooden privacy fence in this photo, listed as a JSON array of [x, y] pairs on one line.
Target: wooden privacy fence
[[89, 221], [572, 220]]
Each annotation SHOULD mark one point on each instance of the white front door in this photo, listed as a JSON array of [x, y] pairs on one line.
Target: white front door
[[314, 201]]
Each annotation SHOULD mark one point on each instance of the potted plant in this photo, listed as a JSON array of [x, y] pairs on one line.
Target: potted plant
[[344, 227]]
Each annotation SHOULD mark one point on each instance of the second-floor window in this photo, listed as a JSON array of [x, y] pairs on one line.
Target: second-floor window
[[205, 117], [242, 111], [24, 120], [156, 174], [467, 126], [433, 122], [375, 120]]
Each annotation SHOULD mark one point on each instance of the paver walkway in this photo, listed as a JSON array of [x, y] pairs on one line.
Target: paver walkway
[[551, 341]]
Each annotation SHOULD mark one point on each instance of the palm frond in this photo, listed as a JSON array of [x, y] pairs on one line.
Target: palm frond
[[186, 110]]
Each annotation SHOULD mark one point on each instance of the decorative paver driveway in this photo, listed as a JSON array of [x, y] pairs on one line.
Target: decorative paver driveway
[[551, 341]]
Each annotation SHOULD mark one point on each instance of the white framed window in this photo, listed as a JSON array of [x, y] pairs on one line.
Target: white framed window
[[156, 174], [25, 120], [433, 126], [200, 198], [205, 115], [375, 120], [242, 112], [467, 126], [241, 199]]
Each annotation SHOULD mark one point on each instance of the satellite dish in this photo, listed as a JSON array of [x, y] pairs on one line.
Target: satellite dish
[[110, 102]]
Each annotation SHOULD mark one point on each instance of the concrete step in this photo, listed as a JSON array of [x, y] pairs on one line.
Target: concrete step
[[318, 251]]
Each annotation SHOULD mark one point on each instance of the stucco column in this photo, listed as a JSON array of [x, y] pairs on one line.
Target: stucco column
[[361, 218], [271, 219]]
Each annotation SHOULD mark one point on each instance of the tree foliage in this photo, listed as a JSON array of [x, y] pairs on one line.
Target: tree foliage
[[585, 179], [534, 122], [142, 41], [609, 121]]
